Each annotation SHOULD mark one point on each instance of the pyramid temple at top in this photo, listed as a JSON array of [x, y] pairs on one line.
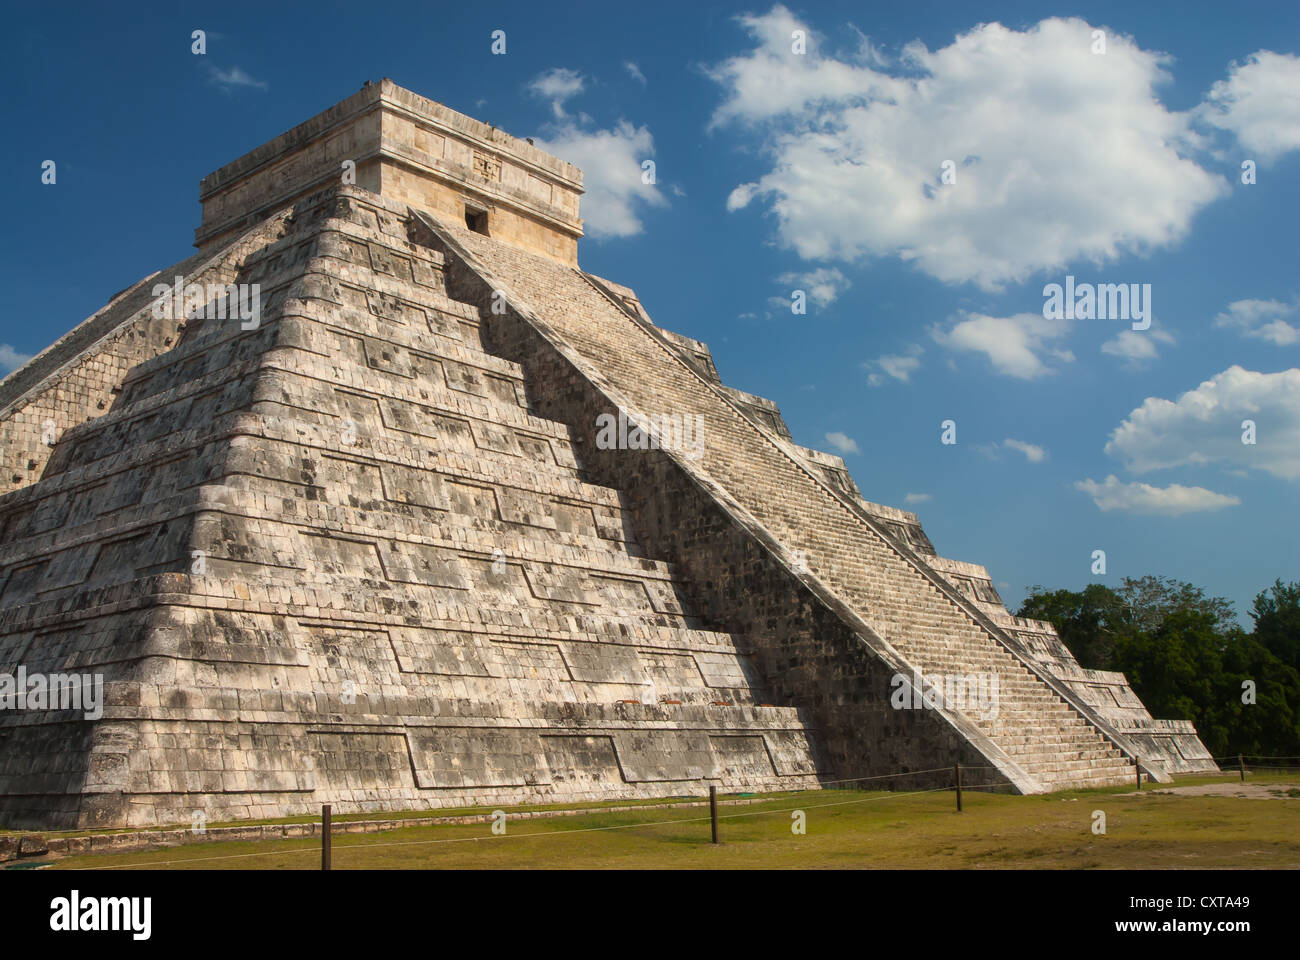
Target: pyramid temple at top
[[365, 545]]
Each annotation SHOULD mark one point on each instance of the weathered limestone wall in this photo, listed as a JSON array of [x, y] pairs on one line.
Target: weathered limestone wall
[[414, 151], [294, 165], [78, 377]]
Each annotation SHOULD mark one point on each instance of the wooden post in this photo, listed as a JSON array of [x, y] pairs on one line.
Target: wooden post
[[713, 811], [956, 769], [1241, 762], [1137, 766], [325, 837]]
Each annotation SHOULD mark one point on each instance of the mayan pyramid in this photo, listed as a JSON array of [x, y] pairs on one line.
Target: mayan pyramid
[[367, 548]]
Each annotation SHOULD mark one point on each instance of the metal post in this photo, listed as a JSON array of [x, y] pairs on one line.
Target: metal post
[[956, 769], [1241, 762], [713, 810], [325, 837]]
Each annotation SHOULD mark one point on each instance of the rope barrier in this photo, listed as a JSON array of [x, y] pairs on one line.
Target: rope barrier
[[516, 836], [1253, 756], [887, 776], [885, 795]]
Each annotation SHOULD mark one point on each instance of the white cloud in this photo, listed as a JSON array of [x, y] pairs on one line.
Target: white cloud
[[896, 365], [611, 169], [634, 72], [842, 442], [1017, 346], [228, 80], [918, 498], [1203, 426], [1033, 453], [822, 285], [611, 160], [1136, 347], [1262, 319], [1259, 103], [740, 196], [1060, 155], [11, 359], [1175, 499], [557, 85]]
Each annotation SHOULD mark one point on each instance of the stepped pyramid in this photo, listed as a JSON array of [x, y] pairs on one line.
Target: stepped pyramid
[[369, 549]]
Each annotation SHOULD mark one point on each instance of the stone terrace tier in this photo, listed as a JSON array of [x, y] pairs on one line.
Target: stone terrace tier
[[348, 563]]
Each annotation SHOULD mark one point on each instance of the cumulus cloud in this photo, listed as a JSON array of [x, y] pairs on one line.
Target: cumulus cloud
[[918, 498], [822, 285], [11, 359], [1204, 426], [1020, 346], [740, 196], [842, 442], [1136, 347], [1263, 320], [611, 162], [1033, 453], [1088, 165], [1259, 103], [235, 78], [1175, 499], [557, 85], [616, 194], [900, 366]]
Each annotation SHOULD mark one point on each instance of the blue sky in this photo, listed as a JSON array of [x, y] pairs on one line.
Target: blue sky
[[821, 171]]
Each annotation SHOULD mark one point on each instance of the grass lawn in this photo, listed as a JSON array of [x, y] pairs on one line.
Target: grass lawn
[[845, 829]]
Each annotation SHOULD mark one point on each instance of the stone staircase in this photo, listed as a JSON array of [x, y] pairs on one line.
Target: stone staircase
[[1036, 728], [1043, 734]]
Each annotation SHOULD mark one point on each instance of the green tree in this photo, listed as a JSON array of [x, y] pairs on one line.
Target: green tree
[[1151, 599], [1174, 669], [1270, 726], [1277, 621]]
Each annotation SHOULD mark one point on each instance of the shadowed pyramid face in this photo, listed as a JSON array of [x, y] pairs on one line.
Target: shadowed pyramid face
[[371, 550]]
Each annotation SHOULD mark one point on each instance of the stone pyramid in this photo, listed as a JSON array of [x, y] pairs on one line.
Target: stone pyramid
[[368, 547]]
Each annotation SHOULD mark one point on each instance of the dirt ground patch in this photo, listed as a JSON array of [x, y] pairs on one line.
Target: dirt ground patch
[[1249, 791]]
